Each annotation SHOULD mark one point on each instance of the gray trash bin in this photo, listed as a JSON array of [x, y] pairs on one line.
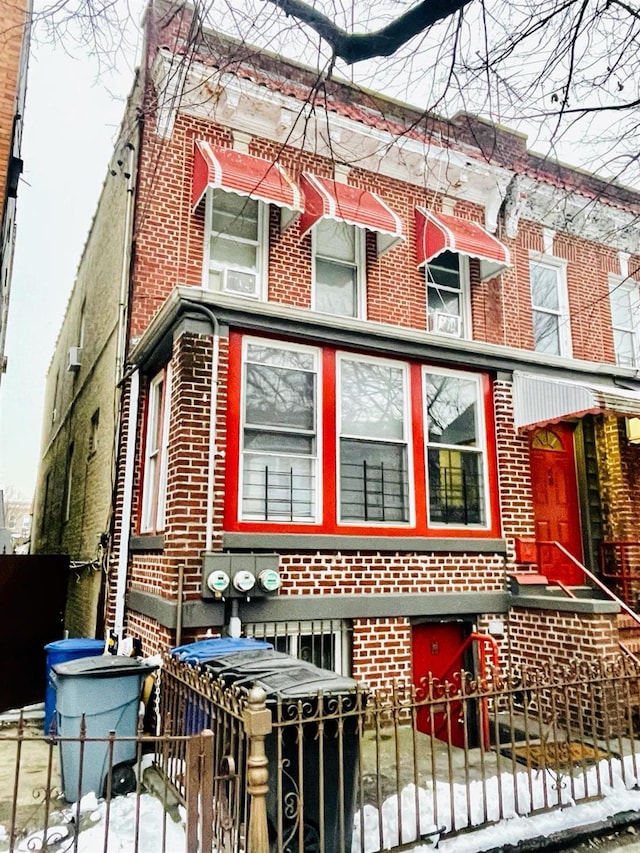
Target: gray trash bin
[[105, 690]]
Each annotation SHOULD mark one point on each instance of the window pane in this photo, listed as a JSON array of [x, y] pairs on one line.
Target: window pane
[[279, 397], [445, 269], [278, 487], [621, 311], [235, 215], [278, 442], [373, 481], [546, 333], [335, 288], [279, 357], [625, 348], [336, 240], [317, 649], [451, 410], [372, 400], [443, 300], [230, 253], [455, 486], [544, 287]]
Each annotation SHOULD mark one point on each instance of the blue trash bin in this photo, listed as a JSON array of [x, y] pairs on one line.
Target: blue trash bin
[[197, 714], [61, 651], [105, 690]]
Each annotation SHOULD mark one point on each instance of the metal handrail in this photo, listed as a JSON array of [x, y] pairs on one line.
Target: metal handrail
[[596, 581]]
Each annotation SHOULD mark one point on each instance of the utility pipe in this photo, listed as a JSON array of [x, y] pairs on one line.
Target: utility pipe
[[127, 497]]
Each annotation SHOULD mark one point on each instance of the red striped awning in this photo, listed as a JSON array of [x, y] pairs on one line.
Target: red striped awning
[[324, 198], [242, 174], [437, 233]]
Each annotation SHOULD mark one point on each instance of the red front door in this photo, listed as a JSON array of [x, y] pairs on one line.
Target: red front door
[[555, 502], [436, 649]]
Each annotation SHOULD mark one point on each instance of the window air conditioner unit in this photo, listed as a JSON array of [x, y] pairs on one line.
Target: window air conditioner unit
[[242, 282], [446, 324], [74, 358]]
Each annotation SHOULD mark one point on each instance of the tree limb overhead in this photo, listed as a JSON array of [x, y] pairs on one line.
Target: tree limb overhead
[[354, 47]]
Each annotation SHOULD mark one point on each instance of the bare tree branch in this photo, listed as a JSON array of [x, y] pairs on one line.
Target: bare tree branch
[[355, 47]]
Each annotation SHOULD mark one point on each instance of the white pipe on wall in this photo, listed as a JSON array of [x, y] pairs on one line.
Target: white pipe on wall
[[127, 497]]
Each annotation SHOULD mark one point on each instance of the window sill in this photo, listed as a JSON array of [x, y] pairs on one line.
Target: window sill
[[329, 542], [147, 542]]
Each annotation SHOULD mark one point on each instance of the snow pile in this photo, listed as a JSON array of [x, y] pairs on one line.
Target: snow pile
[[426, 812], [136, 825]]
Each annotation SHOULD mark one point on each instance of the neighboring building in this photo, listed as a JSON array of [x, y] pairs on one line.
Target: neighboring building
[[15, 28], [384, 360]]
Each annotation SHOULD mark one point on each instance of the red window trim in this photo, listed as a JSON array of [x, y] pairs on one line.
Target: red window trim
[[328, 523]]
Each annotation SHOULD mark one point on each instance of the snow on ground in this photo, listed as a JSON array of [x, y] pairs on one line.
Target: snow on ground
[[139, 825]]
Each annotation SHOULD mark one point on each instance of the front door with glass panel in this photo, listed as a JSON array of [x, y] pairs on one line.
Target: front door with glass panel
[[555, 502]]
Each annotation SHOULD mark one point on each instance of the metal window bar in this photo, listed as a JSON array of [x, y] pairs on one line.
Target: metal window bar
[[279, 495], [372, 492]]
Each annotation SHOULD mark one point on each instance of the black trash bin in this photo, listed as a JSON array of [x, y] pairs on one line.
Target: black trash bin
[[313, 749]]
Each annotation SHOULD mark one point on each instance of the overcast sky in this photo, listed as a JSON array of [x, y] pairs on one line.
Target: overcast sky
[[72, 114], [71, 119]]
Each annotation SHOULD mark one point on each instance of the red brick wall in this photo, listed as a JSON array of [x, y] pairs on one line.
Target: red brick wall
[[560, 638]]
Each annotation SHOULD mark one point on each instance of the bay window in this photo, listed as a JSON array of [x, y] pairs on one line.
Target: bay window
[[454, 449], [236, 244], [356, 444], [373, 442], [279, 433]]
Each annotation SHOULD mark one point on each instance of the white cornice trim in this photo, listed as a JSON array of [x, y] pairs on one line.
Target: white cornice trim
[[242, 105]]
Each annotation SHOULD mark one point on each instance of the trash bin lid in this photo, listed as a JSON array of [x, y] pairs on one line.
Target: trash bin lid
[[253, 659], [303, 680], [74, 644], [103, 666], [206, 650]]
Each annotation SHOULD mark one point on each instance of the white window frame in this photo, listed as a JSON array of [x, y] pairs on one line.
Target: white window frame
[[262, 252], [360, 253], [632, 288], [559, 265], [466, 331], [481, 449], [407, 440], [154, 484], [316, 458], [289, 633]]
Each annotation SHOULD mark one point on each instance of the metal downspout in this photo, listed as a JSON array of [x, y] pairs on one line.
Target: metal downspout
[[125, 526]]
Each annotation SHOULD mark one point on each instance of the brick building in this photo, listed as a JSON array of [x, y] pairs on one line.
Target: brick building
[[375, 375], [15, 27]]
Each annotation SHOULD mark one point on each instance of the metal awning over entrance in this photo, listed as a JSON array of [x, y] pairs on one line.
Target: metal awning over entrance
[[242, 174], [540, 400], [340, 201], [438, 233]]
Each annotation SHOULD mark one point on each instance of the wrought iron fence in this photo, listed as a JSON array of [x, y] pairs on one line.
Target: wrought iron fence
[[354, 772]]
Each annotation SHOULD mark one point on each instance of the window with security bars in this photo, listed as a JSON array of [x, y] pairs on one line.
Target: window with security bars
[[279, 433], [455, 449], [333, 442], [325, 643], [373, 442]]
